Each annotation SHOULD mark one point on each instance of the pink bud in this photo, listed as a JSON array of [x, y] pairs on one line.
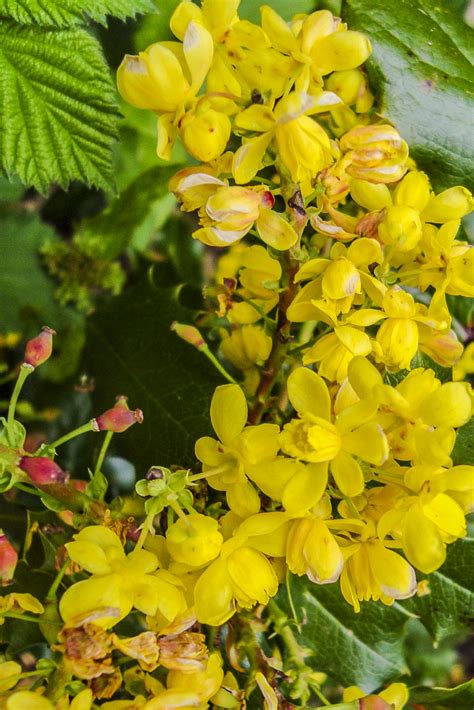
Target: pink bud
[[119, 418], [189, 333], [8, 559], [268, 199], [43, 470], [39, 349]]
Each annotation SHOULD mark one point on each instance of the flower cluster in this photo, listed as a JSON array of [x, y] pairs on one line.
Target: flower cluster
[[332, 456]]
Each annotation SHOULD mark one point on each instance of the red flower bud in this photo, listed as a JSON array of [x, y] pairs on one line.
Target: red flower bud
[[119, 418], [43, 470], [8, 559], [39, 349]]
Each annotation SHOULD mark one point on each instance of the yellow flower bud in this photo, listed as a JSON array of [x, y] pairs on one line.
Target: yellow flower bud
[[312, 550], [375, 153], [195, 540], [401, 226], [372, 196], [246, 346], [152, 80], [205, 133], [413, 191]]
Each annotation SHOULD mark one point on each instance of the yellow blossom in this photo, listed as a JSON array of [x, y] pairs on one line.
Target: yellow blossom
[[375, 153], [194, 540], [118, 583], [226, 462], [246, 346], [316, 438]]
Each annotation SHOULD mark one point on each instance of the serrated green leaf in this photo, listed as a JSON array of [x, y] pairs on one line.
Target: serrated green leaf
[[421, 69], [63, 13], [58, 112], [460, 698], [449, 606], [364, 649], [131, 350]]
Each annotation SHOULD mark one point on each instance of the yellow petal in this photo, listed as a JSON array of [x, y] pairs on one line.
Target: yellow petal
[[272, 475], [253, 577], [97, 599], [422, 542], [370, 195], [198, 49], [27, 700], [450, 204], [368, 442], [308, 393], [446, 514], [450, 405], [257, 443], [274, 230], [277, 30], [322, 554], [185, 13], [340, 51], [395, 576], [243, 499], [213, 595], [363, 376], [413, 191], [248, 158], [347, 474], [205, 134], [228, 412], [256, 118], [305, 489]]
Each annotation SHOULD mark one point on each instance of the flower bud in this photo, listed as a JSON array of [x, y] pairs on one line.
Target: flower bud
[[189, 333], [401, 226], [119, 418], [43, 470], [39, 349], [8, 559], [205, 133], [194, 541], [376, 153]]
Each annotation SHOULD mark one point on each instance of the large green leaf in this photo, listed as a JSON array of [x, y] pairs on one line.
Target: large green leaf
[[449, 606], [364, 649], [459, 698], [57, 107], [62, 13], [421, 70], [132, 351], [463, 452]]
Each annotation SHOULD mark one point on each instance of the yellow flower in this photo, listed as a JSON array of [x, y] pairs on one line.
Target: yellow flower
[[28, 700], [246, 346], [259, 276], [19, 603], [9, 672], [241, 575], [428, 517], [226, 462], [194, 540], [419, 414], [338, 280], [398, 336], [315, 438], [372, 571], [118, 583], [335, 350], [395, 694], [375, 153], [314, 551], [465, 366], [302, 144]]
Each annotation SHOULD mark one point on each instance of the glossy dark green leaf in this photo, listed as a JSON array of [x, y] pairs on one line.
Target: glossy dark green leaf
[[421, 70], [449, 606], [131, 350], [459, 698], [463, 452], [364, 649]]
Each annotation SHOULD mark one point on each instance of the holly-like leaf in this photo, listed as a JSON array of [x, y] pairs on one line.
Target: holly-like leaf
[[449, 606], [421, 70], [463, 452], [57, 107], [364, 649], [63, 13], [132, 351], [457, 698]]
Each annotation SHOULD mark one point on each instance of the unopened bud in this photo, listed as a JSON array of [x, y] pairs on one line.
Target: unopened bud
[[119, 418], [43, 470], [190, 334], [39, 349], [154, 473], [8, 559]]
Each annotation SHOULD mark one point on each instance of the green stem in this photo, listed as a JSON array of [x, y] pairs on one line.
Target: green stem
[[72, 434], [103, 451], [28, 489], [22, 617], [25, 370], [51, 596], [212, 358]]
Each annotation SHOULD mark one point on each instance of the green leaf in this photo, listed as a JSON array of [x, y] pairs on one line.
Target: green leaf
[[138, 209], [364, 649], [250, 9], [97, 486], [62, 13], [421, 69], [449, 607], [133, 351], [58, 113], [459, 698], [463, 452]]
